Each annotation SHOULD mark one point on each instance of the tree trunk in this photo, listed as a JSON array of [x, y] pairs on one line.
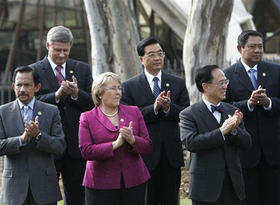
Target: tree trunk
[[249, 5], [205, 39], [114, 36]]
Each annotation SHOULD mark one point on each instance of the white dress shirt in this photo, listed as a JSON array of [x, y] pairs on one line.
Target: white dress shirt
[[53, 65], [216, 114]]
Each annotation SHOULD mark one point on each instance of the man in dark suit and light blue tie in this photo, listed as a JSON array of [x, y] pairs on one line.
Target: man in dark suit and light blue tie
[[214, 133], [66, 83], [30, 134], [255, 89], [160, 96]]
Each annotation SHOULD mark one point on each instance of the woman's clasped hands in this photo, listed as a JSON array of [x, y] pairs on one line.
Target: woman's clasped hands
[[126, 135]]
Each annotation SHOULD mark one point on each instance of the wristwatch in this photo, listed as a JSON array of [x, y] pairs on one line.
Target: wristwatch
[[38, 136]]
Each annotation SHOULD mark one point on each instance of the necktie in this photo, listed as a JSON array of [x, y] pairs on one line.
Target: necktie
[[219, 108], [253, 79], [59, 75], [156, 88], [25, 113]]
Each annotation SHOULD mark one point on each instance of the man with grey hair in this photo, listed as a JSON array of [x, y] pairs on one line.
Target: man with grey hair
[[66, 83]]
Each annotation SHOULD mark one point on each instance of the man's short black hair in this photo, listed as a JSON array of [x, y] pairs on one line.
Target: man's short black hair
[[26, 69], [243, 37], [204, 75], [145, 42]]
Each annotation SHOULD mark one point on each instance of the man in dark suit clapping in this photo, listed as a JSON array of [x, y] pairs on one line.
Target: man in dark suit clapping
[[255, 89], [66, 83], [214, 133], [160, 96]]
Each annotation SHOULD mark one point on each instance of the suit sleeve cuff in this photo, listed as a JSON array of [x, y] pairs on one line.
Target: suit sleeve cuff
[[250, 108], [20, 143], [269, 106], [222, 135]]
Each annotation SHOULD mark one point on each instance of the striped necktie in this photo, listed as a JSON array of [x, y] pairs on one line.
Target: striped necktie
[[59, 75], [156, 88], [25, 113], [252, 77]]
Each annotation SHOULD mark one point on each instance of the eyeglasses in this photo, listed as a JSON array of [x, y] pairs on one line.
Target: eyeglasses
[[222, 83], [153, 55], [115, 89]]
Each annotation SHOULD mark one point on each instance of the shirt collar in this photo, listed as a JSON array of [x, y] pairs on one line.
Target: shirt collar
[[150, 77], [248, 67], [30, 104], [53, 65], [208, 104]]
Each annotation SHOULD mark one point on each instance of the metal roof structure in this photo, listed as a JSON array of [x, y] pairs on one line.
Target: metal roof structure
[[24, 24]]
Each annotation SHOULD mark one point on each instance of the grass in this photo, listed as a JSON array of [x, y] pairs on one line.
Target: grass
[[185, 202]]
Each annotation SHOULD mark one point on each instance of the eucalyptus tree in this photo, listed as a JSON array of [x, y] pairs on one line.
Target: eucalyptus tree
[[205, 39], [114, 35]]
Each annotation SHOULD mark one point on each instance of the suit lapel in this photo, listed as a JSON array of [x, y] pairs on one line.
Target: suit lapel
[[123, 120], [243, 77], [38, 111], [145, 87], [207, 117], [263, 74], [165, 84], [70, 70], [104, 121], [49, 74], [225, 114], [16, 115]]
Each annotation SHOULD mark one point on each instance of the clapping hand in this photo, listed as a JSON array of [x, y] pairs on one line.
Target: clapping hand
[[127, 133], [73, 87], [232, 122], [259, 97], [162, 101], [31, 129], [118, 142], [68, 88], [166, 101]]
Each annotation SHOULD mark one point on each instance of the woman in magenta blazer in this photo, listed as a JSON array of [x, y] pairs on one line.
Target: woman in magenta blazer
[[112, 138]]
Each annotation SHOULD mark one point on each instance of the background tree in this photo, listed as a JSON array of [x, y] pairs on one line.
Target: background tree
[[205, 39], [114, 36]]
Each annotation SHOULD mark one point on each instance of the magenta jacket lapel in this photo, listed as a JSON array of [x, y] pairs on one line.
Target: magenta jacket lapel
[[123, 121], [104, 120]]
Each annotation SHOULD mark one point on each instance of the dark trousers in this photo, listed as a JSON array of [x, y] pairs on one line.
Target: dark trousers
[[227, 197], [163, 187], [72, 172], [31, 201], [262, 184], [130, 196]]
